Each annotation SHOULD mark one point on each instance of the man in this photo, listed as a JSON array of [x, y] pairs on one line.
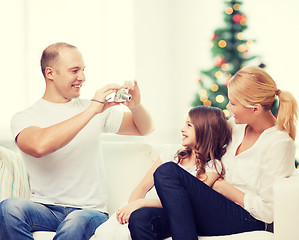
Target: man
[[59, 137]]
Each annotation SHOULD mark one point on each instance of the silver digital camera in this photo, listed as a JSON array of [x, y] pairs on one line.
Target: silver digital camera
[[122, 95]]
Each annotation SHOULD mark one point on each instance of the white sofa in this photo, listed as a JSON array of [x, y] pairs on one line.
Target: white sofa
[[127, 162]]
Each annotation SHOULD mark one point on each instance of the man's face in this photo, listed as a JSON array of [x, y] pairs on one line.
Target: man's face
[[68, 75]]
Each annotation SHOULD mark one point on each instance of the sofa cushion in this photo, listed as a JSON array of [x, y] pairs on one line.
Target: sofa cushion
[[255, 235], [13, 176]]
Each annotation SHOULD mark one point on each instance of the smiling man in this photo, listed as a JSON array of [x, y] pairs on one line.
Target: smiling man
[[59, 138]]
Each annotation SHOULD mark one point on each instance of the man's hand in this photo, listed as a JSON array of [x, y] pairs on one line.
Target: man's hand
[[100, 104], [134, 91]]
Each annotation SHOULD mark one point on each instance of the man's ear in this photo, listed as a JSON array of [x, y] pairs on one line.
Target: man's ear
[[49, 73]]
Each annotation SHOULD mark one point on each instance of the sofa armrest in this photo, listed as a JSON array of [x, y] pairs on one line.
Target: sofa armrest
[[286, 198]]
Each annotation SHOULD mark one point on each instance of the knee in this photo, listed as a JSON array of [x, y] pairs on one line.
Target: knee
[[165, 171], [138, 218], [80, 224], [84, 219], [13, 207]]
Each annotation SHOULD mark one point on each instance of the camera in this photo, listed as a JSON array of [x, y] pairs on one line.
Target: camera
[[122, 95]]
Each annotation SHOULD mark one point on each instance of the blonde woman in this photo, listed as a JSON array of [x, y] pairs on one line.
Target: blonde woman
[[262, 150]]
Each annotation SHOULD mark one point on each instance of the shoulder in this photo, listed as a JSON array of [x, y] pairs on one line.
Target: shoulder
[[29, 111], [279, 147], [214, 166], [276, 136]]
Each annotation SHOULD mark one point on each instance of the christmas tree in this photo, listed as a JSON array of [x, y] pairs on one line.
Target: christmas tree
[[230, 51]]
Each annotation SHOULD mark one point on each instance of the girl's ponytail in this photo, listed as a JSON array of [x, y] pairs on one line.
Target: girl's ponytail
[[287, 113]]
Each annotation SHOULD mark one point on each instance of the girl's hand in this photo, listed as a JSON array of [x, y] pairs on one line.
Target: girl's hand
[[123, 214]]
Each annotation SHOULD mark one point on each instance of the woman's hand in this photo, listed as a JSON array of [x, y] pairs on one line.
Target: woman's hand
[[123, 214]]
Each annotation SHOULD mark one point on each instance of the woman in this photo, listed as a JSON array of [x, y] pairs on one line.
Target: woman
[[262, 150]]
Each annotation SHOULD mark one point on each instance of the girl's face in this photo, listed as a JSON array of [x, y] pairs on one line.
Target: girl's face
[[188, 134], [242, 114]]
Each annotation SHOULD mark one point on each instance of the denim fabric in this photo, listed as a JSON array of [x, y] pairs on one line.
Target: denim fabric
[[20, 217], [190, 209], [149, 223]]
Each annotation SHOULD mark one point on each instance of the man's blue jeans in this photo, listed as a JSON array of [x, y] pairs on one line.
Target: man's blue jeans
[[20, 217], [190, 209]]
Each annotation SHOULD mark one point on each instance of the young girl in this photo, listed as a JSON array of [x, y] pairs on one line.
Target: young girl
[[205, 137], [262, 151]]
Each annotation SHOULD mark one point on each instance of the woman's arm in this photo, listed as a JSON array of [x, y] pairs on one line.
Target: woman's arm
[[136, 199], [229, 191], [210, 178]]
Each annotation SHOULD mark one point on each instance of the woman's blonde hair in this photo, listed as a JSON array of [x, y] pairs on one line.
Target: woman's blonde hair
[[253, 85]]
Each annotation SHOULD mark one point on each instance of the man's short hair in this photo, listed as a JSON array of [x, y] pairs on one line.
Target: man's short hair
[[50, 55]]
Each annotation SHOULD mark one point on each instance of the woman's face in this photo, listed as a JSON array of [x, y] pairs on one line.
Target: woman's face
[[242, 114], [188, 134]]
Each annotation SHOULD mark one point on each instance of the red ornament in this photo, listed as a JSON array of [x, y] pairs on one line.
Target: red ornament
[[227, 81], [237, 18], [219, 61], [214, 37]]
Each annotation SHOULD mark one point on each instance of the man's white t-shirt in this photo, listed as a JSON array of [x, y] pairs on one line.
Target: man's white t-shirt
[[74, 175]]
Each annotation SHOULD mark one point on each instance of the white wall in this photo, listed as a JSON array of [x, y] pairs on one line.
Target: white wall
[[161, 43], [172, 44], [12, 61]]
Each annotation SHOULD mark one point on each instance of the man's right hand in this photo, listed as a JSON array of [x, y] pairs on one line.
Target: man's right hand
[[99, 103]]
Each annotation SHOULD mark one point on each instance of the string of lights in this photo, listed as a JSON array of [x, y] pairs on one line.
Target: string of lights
[[230, 51]]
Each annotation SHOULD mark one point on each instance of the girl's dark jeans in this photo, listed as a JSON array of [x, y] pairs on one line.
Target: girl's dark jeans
[[190, 209]]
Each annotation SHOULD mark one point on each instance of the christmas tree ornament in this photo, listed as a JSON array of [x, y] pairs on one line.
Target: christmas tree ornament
[[230, 52]]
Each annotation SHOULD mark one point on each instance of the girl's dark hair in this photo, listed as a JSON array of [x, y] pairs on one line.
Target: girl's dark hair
[[213, 135]]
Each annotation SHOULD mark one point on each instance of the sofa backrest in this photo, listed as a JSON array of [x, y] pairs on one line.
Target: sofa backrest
[[126, 163]]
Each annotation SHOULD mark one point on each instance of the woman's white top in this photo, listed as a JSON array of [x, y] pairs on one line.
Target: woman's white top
[[255, 170]]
